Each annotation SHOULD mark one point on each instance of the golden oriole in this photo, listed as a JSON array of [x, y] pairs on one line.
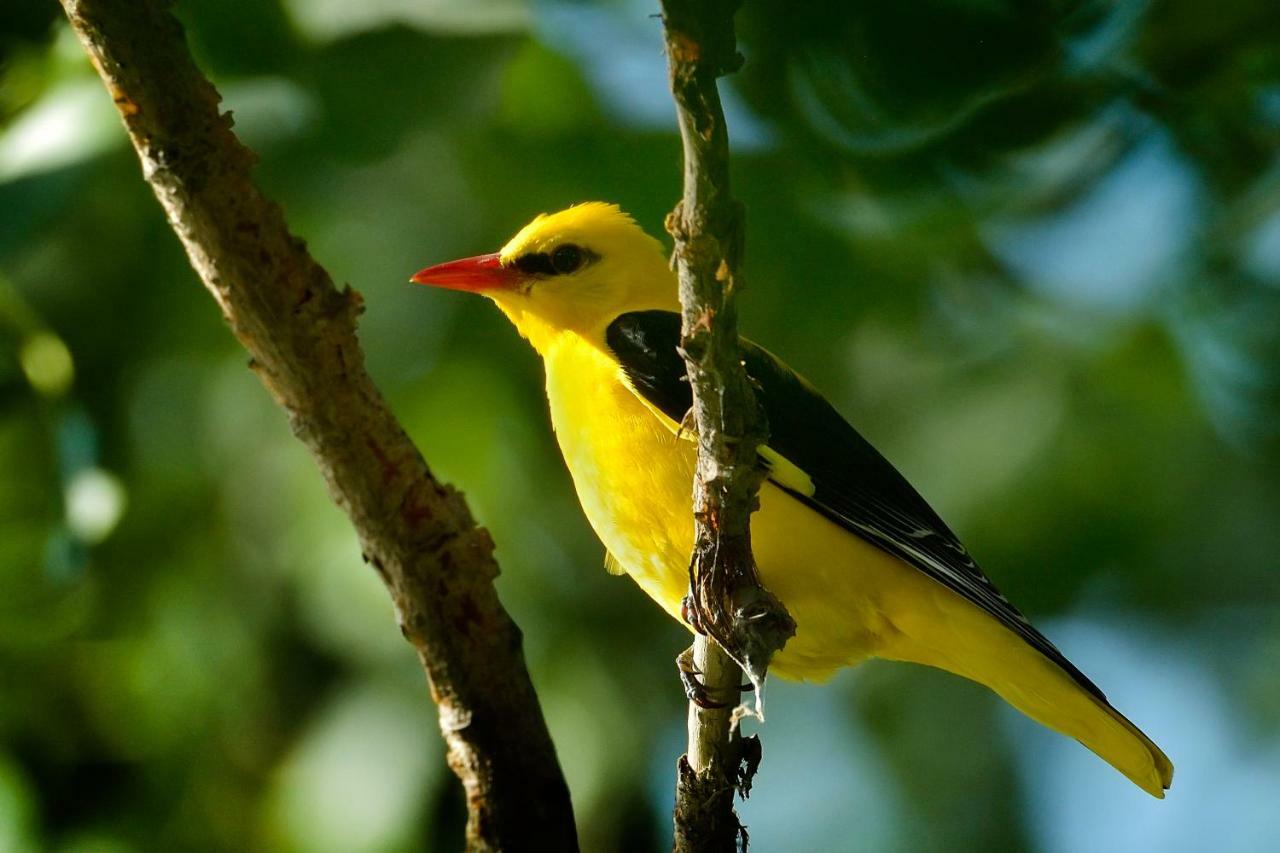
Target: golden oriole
[[861, 561]]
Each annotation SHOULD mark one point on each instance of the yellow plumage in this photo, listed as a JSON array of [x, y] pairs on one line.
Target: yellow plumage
[[633, 475]]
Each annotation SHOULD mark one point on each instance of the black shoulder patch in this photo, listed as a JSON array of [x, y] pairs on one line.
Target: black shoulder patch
[[646, 344]]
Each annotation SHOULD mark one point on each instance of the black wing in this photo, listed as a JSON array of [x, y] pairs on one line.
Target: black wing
[[853, 485]]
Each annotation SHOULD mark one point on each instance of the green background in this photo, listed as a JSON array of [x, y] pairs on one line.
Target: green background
[[1031, 249]]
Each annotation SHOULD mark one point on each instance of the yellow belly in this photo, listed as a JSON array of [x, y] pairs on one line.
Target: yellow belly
[[634, 480]]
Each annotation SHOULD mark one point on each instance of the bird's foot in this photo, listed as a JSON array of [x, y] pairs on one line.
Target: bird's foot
[[694, 690]]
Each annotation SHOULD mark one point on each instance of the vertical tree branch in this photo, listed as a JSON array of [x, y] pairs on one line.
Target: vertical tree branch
[[416, 532], [743, 624]]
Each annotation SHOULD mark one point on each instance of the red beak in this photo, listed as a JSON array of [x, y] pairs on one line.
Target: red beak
[[478, 274]]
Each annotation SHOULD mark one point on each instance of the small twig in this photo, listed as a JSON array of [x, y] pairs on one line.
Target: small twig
[[745, 623], [300, 330]]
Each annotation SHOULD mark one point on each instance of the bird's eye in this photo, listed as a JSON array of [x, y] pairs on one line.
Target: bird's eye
[[567, 258]]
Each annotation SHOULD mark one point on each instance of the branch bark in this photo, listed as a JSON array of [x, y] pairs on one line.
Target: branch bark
[[741, 624], [416, 532]]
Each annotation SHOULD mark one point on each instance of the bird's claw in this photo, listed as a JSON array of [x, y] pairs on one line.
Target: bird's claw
[[689, 613], [694, 690]]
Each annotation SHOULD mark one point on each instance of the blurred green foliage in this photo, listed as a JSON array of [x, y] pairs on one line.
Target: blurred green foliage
[[1032, 249]]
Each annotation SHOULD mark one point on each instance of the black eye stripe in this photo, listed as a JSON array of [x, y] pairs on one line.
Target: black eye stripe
[[536, 264], [567, 258], [563, 259]]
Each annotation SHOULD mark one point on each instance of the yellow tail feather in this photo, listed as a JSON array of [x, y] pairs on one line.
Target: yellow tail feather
[[956, 636]]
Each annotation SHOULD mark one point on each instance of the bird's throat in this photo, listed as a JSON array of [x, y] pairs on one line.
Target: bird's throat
[[535, 329]]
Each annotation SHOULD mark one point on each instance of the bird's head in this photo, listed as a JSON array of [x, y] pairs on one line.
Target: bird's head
[[572, 271]]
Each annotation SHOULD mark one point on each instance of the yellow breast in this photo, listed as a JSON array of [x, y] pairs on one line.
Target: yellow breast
[[634, 479], [633, 476]]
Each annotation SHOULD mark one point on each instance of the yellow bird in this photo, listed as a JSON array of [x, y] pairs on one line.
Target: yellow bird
[[864, 565]]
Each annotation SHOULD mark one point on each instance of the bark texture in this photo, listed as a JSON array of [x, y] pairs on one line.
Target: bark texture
[[745, 623], [300, 330]]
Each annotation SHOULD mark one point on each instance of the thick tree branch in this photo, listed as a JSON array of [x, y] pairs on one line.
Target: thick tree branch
[[300, 330], [727, 600]]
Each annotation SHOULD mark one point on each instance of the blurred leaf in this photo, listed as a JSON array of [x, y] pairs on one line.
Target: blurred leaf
[[327, 20], [418, 78], [544, 93], [356, 778], [17, 810], [69, 124]]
